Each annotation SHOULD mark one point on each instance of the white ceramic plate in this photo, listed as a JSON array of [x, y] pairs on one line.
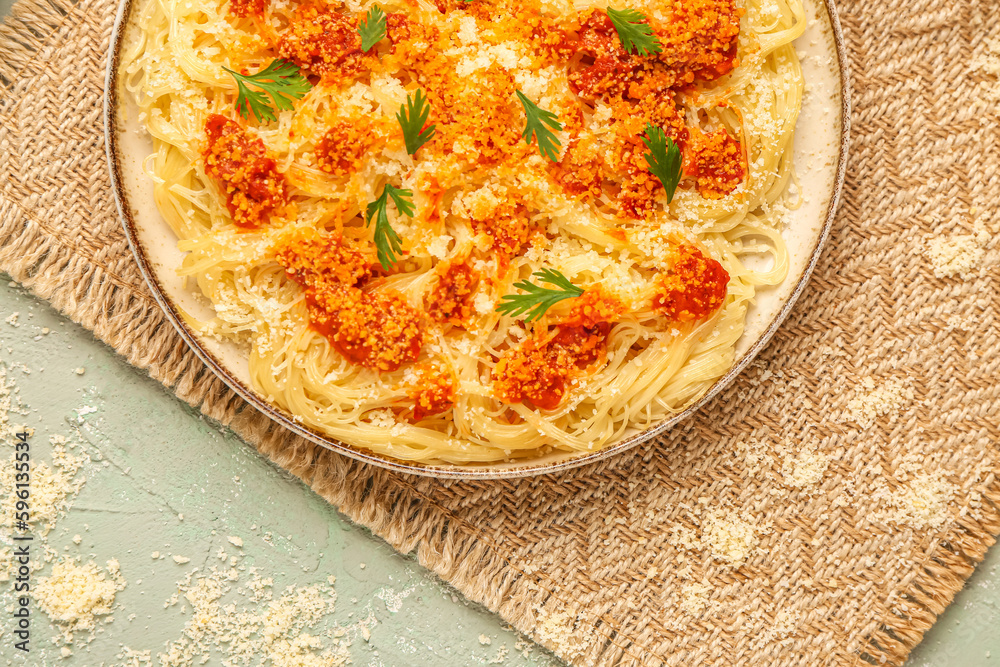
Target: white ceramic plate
[[821, 140]]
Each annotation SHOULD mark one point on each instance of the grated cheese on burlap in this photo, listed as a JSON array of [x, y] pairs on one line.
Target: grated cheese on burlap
[[754, 454], [563, 633], [730, 536], [875, 401], [988, 63], [785, 624], [74, 595], [958, 255], [805, 468], [922, 502], [694, 597]]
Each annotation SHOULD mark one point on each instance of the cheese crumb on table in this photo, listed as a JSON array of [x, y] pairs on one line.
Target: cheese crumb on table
[[74, 595], [501, 655], [239, 618], [52, 487]]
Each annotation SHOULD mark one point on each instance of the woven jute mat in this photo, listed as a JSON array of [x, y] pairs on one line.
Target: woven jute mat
[[822, 510]]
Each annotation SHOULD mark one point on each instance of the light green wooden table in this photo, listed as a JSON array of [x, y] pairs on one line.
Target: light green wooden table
[[154, 461]]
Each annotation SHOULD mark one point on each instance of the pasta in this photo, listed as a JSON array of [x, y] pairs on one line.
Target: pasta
[[407, 350]]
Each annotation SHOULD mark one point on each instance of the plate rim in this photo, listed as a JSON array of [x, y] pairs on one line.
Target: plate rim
[[455, 471]]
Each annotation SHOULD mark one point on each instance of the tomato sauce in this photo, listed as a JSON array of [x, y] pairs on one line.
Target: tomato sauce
[[323, 40], [378, 330], [541, 369], [255, 190], [693, 288], [715, 161], [247, 8], [433, 394], [450, 300], [343, 146]]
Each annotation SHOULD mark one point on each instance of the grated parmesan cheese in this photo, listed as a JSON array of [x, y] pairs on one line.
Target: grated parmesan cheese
[[564, 633], [694, 597], [74, 595], [804, 469], [988, 63], [875, 401], [958, 255], [786, 622], [922, 502], [281, 631], [52, 486], [730, 537]]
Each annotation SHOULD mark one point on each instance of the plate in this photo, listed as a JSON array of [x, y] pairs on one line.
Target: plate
[[821, 141]]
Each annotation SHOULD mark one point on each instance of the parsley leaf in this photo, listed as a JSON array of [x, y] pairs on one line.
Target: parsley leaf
[[388, 245], [412, 117], [663, 158], [282, 80], [538, 299], [372, 30], [635, 34], [538, 119]]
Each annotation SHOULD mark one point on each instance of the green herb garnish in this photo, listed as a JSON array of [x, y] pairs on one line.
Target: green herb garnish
[[372, 30], [635, 34], [412, 117], [282, 80], [538, 299], [663, 158], [541, 124], [387, 242]]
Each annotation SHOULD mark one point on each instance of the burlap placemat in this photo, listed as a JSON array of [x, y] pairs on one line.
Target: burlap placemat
[[823, 510]]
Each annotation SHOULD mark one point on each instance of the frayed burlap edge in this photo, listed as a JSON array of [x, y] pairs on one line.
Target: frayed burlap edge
[[121, 313]]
